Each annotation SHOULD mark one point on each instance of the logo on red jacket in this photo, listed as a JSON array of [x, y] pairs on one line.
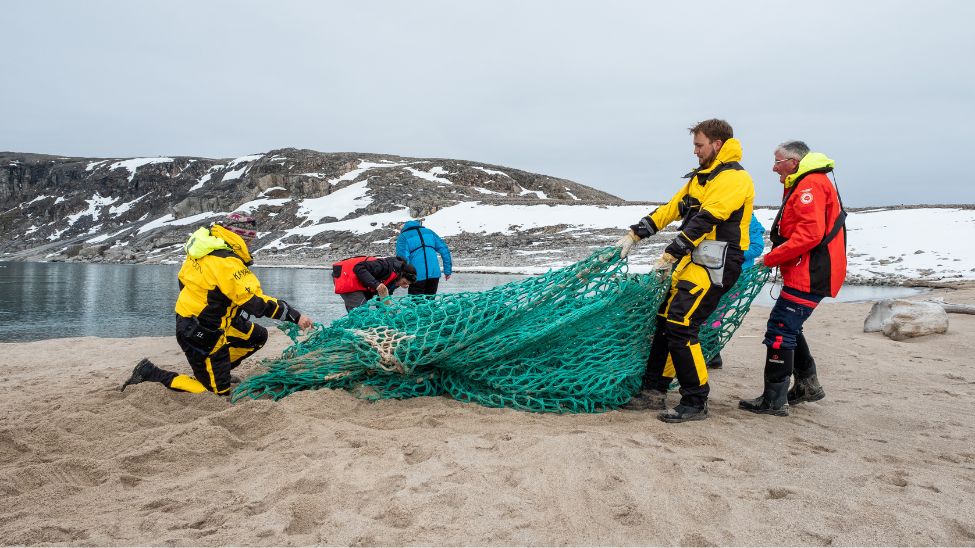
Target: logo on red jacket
[[806, 197]]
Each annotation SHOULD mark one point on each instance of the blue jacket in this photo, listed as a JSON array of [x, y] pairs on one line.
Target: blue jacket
[[420, 246], [756, 242]]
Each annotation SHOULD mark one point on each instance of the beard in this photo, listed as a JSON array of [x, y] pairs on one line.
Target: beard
[[707, 161]]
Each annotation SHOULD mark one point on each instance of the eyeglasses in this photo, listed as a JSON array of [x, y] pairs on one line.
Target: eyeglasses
[[777, 162]]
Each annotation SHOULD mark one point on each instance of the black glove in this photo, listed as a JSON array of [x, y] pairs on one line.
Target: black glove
[[645, 228], [680, 246]]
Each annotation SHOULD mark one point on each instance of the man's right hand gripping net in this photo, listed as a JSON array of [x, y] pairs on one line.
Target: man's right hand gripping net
[[572, 340]]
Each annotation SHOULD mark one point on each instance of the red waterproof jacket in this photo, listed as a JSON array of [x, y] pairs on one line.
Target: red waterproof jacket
[[810, 212], [347, 277]]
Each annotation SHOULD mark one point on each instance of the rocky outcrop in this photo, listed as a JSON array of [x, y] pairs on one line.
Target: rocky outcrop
[[140, 209]]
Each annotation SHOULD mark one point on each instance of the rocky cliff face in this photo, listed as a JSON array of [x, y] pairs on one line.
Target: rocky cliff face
[[141, 209]]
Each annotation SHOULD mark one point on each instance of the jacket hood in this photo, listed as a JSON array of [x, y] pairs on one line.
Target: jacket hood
[[813, 161], [410, 224], [730, 152], [207, 240], [202, 243], [234, 242]]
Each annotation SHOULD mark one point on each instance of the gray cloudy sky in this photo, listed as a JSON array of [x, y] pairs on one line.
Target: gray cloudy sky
[[600, 92]]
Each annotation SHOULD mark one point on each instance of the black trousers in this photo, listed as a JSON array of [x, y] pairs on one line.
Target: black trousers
[[424, 287]]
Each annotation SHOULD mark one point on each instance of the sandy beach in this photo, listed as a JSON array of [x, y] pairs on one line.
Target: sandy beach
[[888, 458]]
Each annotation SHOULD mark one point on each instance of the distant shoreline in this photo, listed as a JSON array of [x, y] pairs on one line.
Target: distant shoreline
[[960, 283]]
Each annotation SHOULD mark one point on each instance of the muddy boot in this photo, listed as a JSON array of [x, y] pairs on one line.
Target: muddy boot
[[684, 413], [807, 389], [773, 400], [142, 372], [648, 398], [716, 362]]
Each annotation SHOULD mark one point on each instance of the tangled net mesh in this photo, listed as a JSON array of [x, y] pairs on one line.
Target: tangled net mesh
[[572, 340]]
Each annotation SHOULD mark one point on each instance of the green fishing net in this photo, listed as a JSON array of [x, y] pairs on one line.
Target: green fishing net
[[571, 340]]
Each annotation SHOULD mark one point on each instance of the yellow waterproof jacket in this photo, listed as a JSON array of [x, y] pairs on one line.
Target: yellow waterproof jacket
[[216, 284], [715, 209]]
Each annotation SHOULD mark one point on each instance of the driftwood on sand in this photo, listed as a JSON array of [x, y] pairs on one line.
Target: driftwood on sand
[[953, 308]]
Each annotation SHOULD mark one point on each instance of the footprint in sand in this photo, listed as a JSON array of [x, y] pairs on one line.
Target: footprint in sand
[[249, 423], [396, 516], [627, 514], [897, 479], [129, 481], [414, 454], [812, 447], [964, 531], [49, 534], [165, 504], [511, 477], [697, 539], [776, 493], [77, 473], [305, 513], [10, 448]]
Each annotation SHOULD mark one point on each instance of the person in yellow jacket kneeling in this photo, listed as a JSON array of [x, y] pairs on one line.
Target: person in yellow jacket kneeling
[[216, 289]]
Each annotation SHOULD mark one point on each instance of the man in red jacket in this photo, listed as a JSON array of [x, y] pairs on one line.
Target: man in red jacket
[[809, 248]]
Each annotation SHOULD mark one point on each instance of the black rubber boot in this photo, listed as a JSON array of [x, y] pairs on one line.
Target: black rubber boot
[[773, 400], [778, 370], [807, 389], [648, 398], [143, 372], [684, 413], [716, 362], [806, 386]]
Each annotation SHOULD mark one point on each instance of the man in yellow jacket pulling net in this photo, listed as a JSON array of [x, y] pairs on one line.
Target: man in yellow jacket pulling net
[[216, 289], [715, 207]]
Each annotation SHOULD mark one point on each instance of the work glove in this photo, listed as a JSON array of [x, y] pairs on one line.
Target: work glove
[[382, 290], [665, 261], [626, 243]]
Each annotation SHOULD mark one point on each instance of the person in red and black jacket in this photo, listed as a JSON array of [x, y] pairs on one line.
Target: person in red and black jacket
[[809, 248], [358, 279]]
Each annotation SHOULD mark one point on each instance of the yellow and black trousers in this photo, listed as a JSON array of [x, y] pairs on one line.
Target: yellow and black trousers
[[211, 369], [676, 350]]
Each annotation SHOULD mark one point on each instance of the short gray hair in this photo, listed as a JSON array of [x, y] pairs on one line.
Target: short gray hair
[[793, 149]]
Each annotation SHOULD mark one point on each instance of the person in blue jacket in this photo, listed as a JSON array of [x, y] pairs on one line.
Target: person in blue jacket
[[756, 238], [420, 246]]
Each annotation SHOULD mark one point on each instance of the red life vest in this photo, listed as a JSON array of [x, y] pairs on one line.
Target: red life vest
[[345, 279]]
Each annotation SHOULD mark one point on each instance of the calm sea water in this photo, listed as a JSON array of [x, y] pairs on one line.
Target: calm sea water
[[53, 300]]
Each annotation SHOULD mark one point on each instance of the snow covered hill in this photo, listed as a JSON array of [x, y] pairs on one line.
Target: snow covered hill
[[315, 208]]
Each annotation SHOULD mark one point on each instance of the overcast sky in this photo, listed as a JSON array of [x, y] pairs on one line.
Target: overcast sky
[[599, 92]]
